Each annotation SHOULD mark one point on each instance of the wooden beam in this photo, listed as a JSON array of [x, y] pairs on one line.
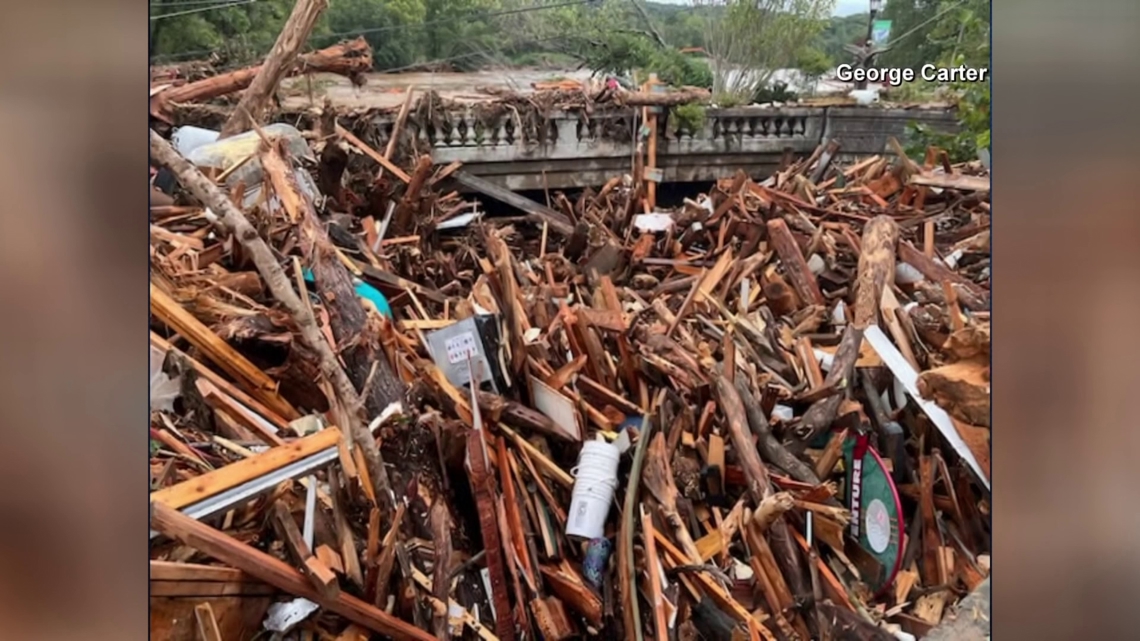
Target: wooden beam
[[229, 550], [212, 483], [373, 154], [540, 213]]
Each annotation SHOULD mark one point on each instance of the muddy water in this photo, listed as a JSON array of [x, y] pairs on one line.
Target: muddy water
[[388, 90]]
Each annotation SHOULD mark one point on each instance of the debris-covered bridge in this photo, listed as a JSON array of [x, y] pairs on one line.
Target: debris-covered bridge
[[573, 149]]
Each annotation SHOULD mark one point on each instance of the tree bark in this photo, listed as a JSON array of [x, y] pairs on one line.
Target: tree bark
[[346, 58], [770, 448], [251, 108], [282, 289], [794, 264], [759, 488], [876, 268], [441, 536]]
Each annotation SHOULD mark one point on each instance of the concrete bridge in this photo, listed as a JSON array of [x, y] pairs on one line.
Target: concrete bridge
[[573, 149]]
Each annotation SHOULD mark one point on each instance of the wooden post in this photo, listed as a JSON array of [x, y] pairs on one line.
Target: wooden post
[[795, 266], [250, 109]]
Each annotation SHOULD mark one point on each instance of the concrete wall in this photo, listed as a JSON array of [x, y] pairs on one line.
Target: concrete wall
[[573, 149]]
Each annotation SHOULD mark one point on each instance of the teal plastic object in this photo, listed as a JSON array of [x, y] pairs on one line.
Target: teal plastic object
[[363, 290], [877, 520]]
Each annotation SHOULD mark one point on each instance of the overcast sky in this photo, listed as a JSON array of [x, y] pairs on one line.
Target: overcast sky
[[842, 7]]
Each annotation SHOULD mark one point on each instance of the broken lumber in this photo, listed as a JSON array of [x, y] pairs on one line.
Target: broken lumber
[[228, 550]]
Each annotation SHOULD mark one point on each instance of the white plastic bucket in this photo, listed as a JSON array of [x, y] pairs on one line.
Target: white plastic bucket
[[594, 485]]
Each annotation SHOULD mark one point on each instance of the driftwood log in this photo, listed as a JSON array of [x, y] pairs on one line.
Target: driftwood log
[[672, 99], [876, 270], [351, 59]]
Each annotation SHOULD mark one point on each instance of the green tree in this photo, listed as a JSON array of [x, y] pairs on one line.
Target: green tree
[[241, 32], [839, 32], [748, 40], [812, 65], [960, 33]]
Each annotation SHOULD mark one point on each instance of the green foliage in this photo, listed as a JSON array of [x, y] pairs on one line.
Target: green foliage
[[973, 103], [929, 31], [689, 117], [840, 31], [775, 92], [239, 32]]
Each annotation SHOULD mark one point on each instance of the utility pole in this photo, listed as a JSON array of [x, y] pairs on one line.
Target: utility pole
[[867, 53]]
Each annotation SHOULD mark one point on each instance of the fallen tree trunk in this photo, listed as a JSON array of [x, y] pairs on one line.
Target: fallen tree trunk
[[876, 268], [351, 59], [251, 109], [357, 338], [672, 99]]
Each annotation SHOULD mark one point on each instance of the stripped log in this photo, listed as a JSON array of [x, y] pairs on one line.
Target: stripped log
[[876, 270]]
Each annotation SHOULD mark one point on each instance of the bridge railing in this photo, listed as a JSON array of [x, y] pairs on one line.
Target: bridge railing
[[569, 146]]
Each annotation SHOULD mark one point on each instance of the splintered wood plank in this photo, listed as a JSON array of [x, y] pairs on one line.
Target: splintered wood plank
[[710, 545], [373, 154], [511, 508], [936, 271], [795, 265], [571, 589], [172, 571], [347, 540], [229, 550], [225, 386], [904, 582], [318, 573], [835, 590], [660, 627], [932, 567], [539, 459], [486, 500], [712, 278], [732, 607], [219, 400], [258, 383], [210, 589], [212, 483], [953, 181]]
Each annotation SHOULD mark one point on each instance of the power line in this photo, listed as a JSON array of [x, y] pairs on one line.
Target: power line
[[402, 27], [212, 7], [466, 16], [185, 3]]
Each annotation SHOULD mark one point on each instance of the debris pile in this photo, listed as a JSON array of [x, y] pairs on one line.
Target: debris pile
[[762, 414]]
